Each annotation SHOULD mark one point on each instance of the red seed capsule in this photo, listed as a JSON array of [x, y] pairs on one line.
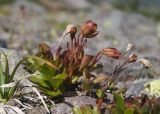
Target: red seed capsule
[[89, 29], [111, 52]]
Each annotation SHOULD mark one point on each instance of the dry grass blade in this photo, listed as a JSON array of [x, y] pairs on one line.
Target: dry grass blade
[[2, 110], [19, 102], [67, 30], [12, 84], [16, 109], [39, 95]]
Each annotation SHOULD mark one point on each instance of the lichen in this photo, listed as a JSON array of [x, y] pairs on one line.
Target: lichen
[[152, 88]]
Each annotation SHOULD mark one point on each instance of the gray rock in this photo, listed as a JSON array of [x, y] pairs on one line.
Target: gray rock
[[61, 108], [37, 110], [123, 28], [9, 110], [78, 101], [81, 4], [137, 87]]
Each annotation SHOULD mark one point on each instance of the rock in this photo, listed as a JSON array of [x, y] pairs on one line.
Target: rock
[[37, 110], [69, 4], [122, 28], [150, 87], [61, 108], [82, 4], [78, 101], [135, 88], [10, 110], [30, 7]]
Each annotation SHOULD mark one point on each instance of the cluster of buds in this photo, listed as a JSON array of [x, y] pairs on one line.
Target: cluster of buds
[[75, 60], [74, 57], [87, 30], [115, 54]]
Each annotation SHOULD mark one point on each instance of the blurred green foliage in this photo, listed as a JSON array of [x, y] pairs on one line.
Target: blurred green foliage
[[137, 105], [2, 2], [88, 109], [128, 5], [149, 8]]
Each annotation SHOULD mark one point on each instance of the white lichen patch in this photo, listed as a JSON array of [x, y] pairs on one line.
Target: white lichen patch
[[153, 88]]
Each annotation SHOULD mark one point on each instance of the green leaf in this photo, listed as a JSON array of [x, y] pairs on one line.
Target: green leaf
[[39, 80], [95, 110], [87, 110], [62, 75], [46, 81], [40, 62], [87, 85], [156, 108], [136, 110], [2, 80], [77, 110], [100, 93], [51, 93], [46, 70], [12, 90], [118, 98], [6, 70], [116, 111], [56, 81], [2, 77], [52, 86], [75, 79], [45, 85], [5, 78], [129, 111], [145, 110]]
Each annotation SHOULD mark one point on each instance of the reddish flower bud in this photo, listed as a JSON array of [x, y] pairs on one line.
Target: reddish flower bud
[[111, 52], [89, 29]]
